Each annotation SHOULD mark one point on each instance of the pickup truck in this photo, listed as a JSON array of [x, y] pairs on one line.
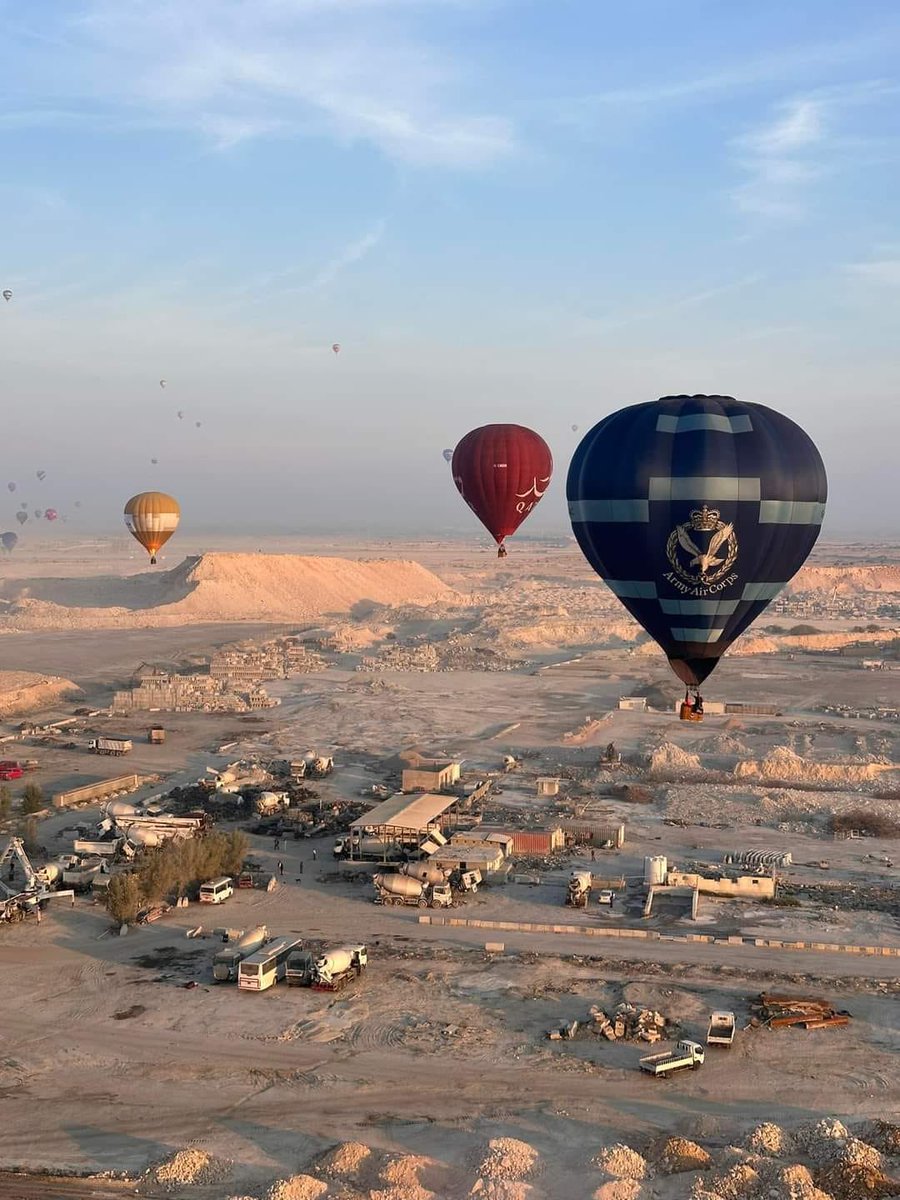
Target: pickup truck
[[721, 1028], [686, 1054]]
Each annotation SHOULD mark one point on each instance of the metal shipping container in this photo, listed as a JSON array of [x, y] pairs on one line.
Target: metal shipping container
[[537, 841]]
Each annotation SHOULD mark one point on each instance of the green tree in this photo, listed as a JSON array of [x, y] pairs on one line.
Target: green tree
[[30, 835], [32, 798], [123, 898], [5, 802]]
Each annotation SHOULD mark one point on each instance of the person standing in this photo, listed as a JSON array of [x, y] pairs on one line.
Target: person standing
[[315, 854], [281, 868]]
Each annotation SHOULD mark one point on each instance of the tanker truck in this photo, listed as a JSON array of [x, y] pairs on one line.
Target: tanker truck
[[425, 872], [228, 959], [335, 969], [578, 892], [401, 889]]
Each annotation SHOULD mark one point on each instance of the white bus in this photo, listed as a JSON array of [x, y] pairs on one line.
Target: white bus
[[264, 968]]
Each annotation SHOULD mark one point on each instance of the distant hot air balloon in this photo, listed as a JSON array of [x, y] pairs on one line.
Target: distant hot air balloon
[[180, 415], [336, 348], [9, 540], [42, 475], [198, 423], [152, 518], [7, 295], [696, 511], [162, 383], [155, 461], [51, 514], [78, 504], [574, 428], [38, 512], [448, 455], [501, 471], [11, 486], [21, 517]]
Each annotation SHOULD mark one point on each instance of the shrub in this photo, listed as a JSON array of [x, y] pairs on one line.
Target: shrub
[[803, 631], [869, 823], [124, 898], [32, 798], [178, 868]]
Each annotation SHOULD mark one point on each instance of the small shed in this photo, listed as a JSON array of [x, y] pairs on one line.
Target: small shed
[[548, 785], [633, 703]]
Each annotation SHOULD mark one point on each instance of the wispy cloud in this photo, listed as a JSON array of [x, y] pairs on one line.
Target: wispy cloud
[[351, 253], [679, 303], [802, 141], [234, 70]]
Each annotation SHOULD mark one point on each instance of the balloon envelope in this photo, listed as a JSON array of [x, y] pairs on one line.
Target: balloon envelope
[[9, 540], [336, 348], [162, 383], [11, 486], [21, 517], [51, 514], [42, 475], [501, 471], [696, 510], [448, 455], [152, 518], [7, 294]]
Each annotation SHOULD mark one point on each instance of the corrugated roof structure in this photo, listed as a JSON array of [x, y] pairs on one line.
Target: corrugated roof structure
[[406, 812]]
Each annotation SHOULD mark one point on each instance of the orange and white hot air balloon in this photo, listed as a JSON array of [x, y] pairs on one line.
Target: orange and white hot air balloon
[[152, 518]]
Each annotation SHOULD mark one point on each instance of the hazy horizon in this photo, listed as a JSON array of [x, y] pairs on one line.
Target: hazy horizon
[[501, 211]]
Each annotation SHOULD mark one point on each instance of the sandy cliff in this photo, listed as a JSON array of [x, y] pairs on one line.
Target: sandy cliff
[[219, 587]]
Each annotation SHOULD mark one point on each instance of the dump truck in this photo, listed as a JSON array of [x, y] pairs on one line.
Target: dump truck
[[401, 889], [115, 746], [228, 959], [578, 891], [721, 1028], [335, 969], [686, 1054]]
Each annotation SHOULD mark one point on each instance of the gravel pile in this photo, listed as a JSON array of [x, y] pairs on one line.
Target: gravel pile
[[860, 1154], [621, 1162], [501, 1189], [884, 1135], [618, 1189], [344, 1161], [734, 1184], [298, 1187], [508, 1159], [768, 1138], [851, 1181], [678, 1155], [187, 1166], [822, 1141], [790, 1183]]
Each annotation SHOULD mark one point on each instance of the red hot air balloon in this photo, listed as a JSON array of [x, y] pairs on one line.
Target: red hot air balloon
[[50, 514], [501, 471]]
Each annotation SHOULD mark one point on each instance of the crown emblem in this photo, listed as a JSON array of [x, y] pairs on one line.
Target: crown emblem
[[705, 519]]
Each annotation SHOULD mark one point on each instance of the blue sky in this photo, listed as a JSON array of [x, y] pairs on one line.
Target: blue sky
[[502, 210]]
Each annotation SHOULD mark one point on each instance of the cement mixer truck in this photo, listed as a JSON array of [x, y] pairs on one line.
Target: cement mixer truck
[[336, 968], [229, 958], [425, 872], [578, 892], [401, 889]]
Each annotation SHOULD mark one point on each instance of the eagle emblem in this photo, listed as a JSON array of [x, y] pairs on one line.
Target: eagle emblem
[[702, 549]]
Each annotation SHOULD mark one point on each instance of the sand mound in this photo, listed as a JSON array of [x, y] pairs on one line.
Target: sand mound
[[221, 587], [185, 1167], [298, 1187], [678, 1155], [734, 1184], [853, 1181], [884, 1135], [344, 1161], [768, 1138], [618, 1189], [508, 1159], [22, 692], [621, 1162], [785, 764], [792, 1183], [670, 758]]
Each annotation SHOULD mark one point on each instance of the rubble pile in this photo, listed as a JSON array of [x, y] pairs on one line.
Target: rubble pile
[[508, 1159], [631, 1023], [885, 1136], [678, 1155], [768, 1138], [736, 1183], [621, 1162], [344, 1161], [618, 1189], [298, 1187], [454, 653], [822, 1141], [670, 759], [853, 1181], [793, 1182], [185, 1167]]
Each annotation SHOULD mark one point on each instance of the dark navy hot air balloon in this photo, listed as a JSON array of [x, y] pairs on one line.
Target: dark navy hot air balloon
[[696, 511], [501, 471]]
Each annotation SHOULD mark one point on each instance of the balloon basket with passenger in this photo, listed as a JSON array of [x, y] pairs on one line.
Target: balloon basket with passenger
[[691, 707]]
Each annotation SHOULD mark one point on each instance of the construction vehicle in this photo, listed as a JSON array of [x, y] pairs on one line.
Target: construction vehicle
[[578, 891], [301, 969], [721, 1028], [228, 959], [156, 735], [217, 891], [337, 968], [686, 1054], [114, 746], [425, 872], [25, 901], [401, 889]]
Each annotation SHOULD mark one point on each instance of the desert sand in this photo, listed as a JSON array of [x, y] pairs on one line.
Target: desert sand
[[434, 1076]]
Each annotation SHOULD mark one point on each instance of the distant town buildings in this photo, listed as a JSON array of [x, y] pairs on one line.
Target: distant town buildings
[[158, 690]]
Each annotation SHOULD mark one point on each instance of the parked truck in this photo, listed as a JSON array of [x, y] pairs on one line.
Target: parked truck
[[115, 746], [578, 892], [401, 889], [721, 1028], [336, 968], [425, 872], [228, 959], [301, 969], [686, 1054]]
